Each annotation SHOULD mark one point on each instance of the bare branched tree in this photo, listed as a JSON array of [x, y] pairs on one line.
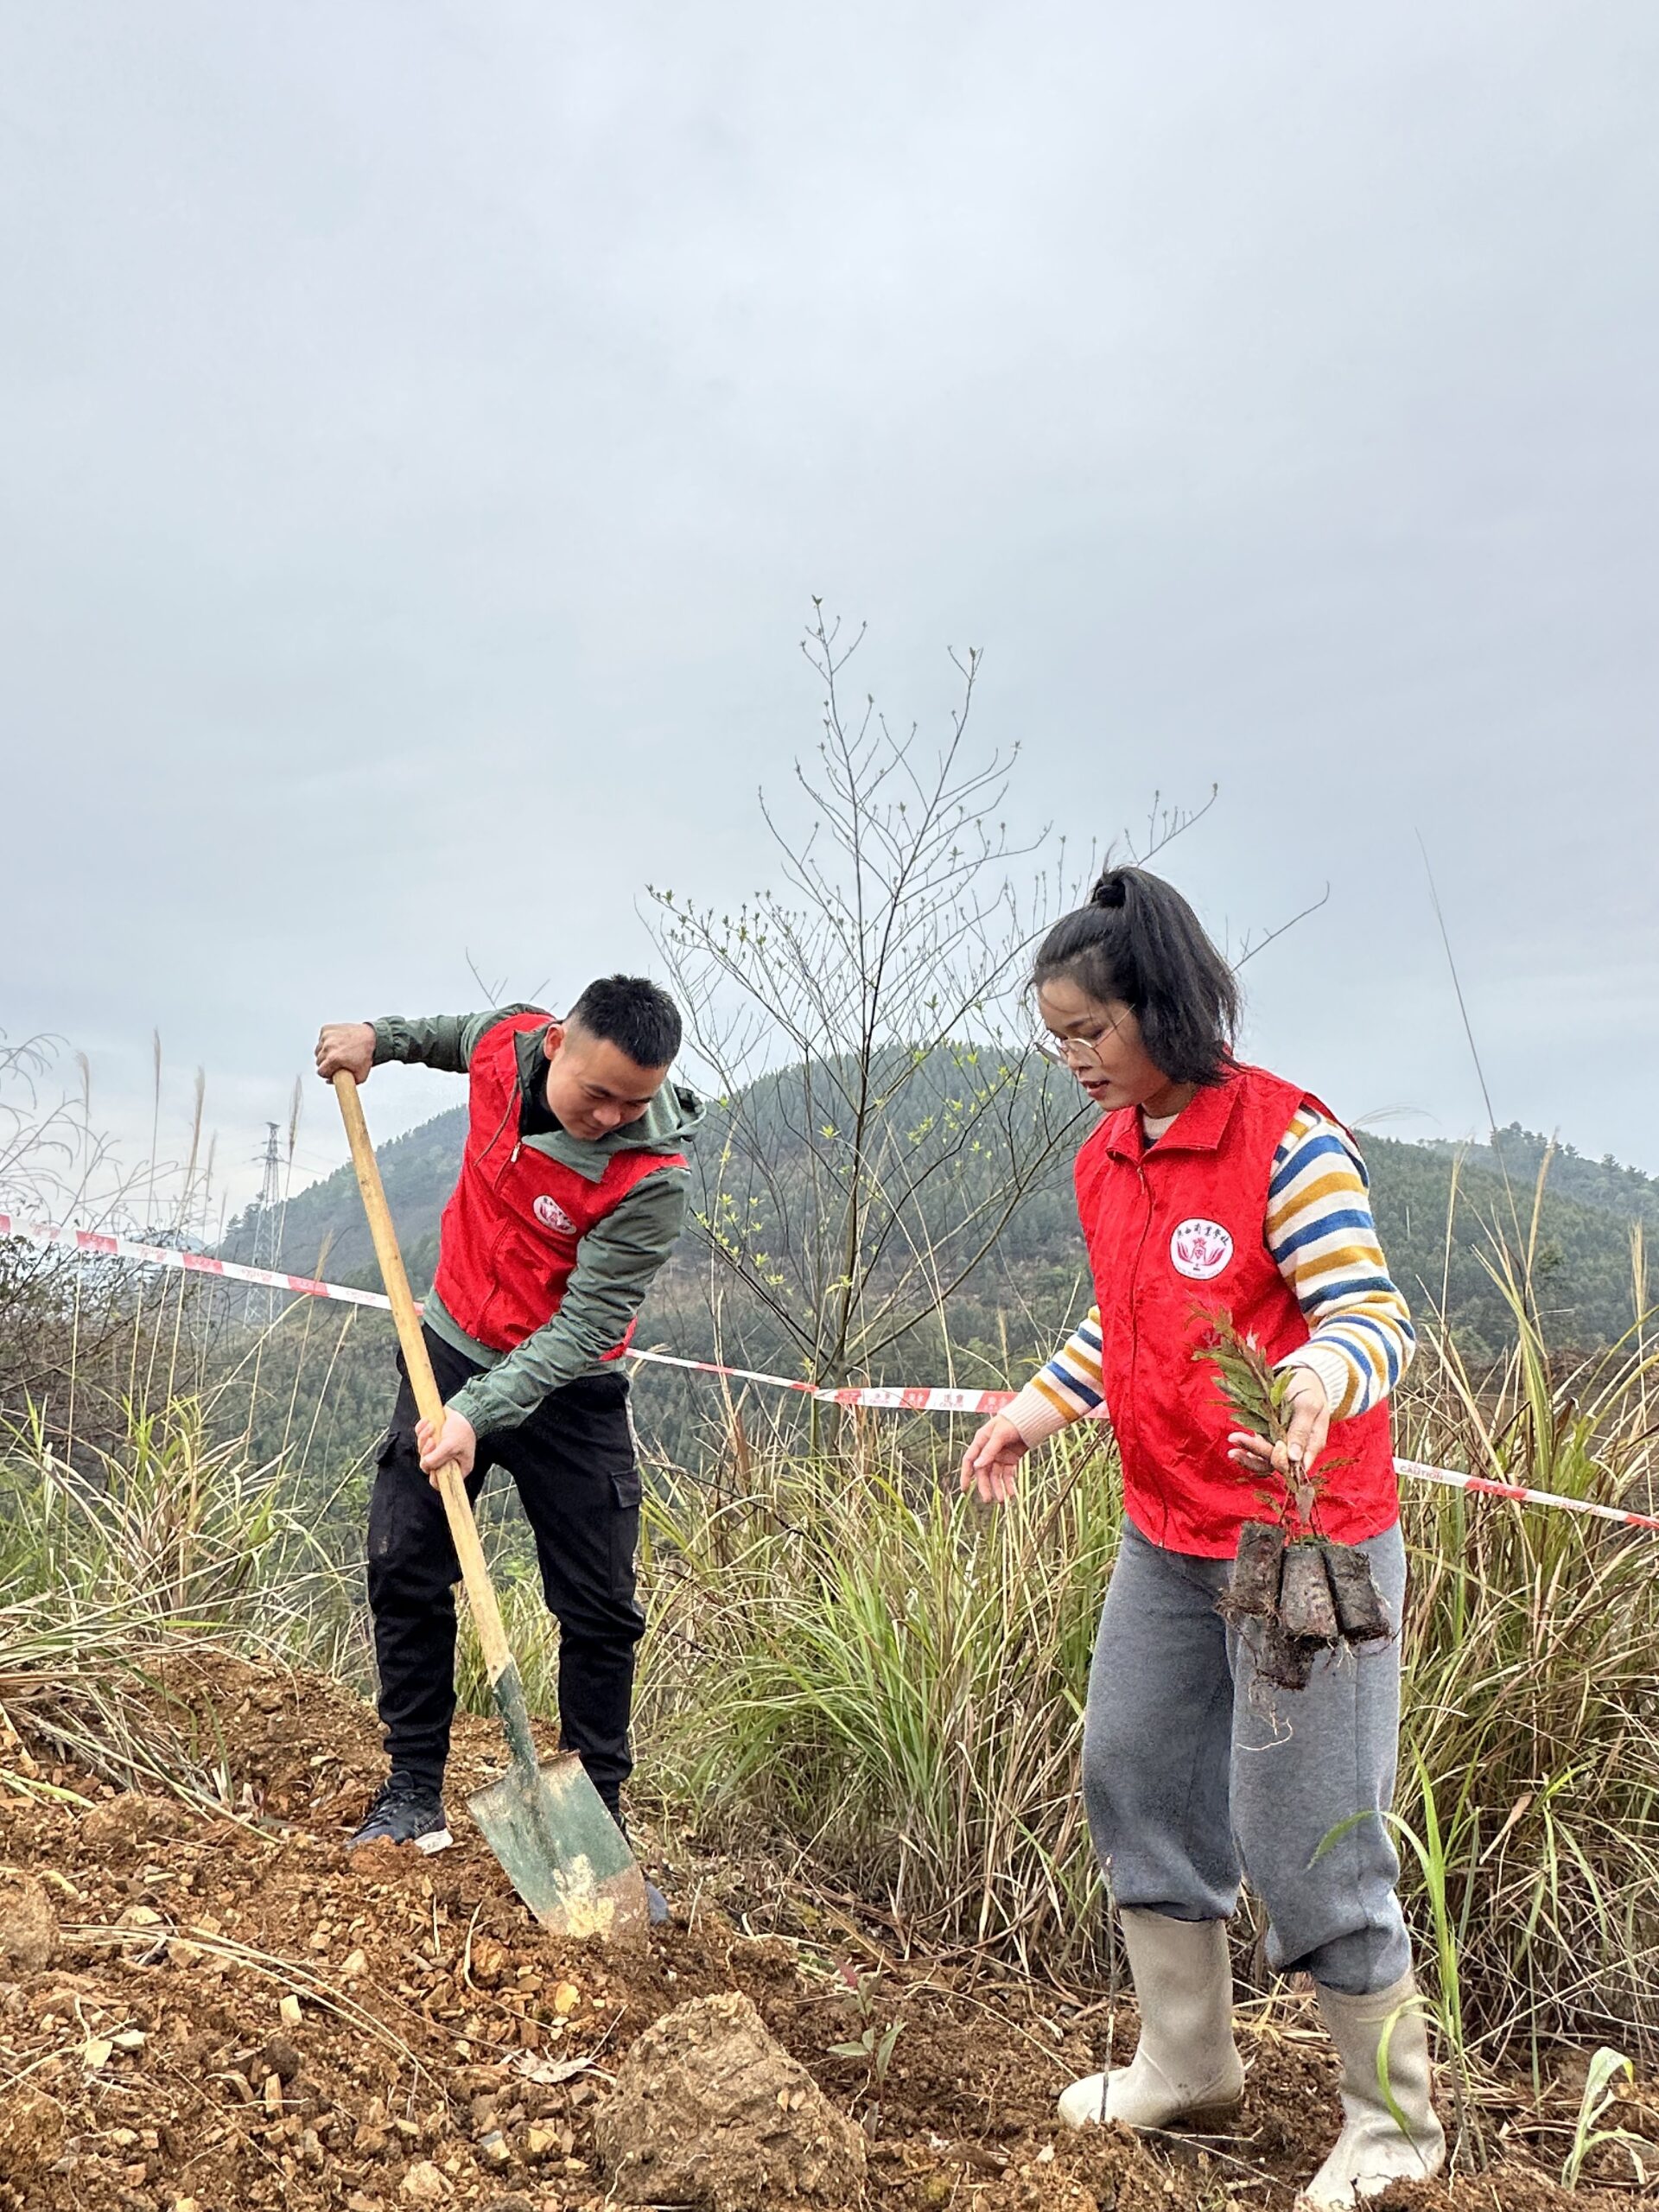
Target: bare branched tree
[[882, 1110]]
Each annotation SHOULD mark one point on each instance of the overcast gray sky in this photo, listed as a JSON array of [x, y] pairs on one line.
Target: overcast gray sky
[[423, 428]]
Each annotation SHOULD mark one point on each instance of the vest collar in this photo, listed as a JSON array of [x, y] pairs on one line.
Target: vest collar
[[1199, 1127]]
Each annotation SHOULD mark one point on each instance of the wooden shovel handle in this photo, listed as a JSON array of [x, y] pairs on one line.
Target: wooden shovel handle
[[481, 1592]]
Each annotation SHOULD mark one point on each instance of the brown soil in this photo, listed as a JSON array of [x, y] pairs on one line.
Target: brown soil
[[234, 2015]]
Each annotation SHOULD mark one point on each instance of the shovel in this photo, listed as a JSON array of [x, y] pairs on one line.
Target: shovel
[[547, 1825]]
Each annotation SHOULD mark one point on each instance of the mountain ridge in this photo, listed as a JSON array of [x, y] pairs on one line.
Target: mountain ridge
[[1444, 1212]]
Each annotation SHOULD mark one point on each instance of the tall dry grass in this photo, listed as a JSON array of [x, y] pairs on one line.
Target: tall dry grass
[[891, 1679], [115, 1569], [1531, 1743]]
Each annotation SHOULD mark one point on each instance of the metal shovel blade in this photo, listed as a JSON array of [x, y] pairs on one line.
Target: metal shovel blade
[[548, 1825]]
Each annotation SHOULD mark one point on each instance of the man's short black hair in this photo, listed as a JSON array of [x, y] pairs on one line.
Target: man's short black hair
[[631, 1013]]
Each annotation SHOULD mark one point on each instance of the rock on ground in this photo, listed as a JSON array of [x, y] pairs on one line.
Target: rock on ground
[[710, 2111], [127, 1822], [28, 1927], [31, 2135]]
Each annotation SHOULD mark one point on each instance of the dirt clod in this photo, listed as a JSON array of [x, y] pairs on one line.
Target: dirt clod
[[31, 2135], [121, 1824], [28, 1927], [282, 2058], [1253, 1588], [711, 2111], [1360, 1611]]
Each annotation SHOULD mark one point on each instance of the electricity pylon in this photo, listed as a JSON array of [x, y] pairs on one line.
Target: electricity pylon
[[260, 1309]]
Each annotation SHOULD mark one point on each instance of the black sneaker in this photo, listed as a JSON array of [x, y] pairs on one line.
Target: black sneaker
[[405, 1810], [656, 1903]]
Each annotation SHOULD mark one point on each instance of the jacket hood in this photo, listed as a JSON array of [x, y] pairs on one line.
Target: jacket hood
[[668, 1124]]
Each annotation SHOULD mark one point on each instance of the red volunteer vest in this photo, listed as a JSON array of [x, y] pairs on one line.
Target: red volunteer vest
[[508, 1241], [1175, 1230]]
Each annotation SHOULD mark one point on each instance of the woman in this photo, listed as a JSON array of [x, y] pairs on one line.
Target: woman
[[1209, 1186]]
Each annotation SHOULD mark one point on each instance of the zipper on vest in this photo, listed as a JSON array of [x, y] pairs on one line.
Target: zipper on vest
[[496, 1181], [1135, 1306], [490, 1143], [500, 1236]]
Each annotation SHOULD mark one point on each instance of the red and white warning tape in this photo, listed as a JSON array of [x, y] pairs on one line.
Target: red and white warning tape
[[1485, 1487], [99, 1246], [894, 1397], [897, 1397]]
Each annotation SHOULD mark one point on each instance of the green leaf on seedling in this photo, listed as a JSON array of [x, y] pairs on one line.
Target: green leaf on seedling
[[1600, 2091]]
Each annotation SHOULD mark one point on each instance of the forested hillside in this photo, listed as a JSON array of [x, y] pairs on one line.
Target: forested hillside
[[1444, 1212]]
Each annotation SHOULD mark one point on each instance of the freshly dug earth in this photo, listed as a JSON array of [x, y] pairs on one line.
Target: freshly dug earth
[[222, 2013]]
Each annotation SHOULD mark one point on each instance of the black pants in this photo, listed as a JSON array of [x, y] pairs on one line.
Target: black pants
[[574, 1464]]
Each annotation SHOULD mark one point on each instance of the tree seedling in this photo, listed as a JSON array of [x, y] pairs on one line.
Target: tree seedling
[[1609, 2071], [874, 2043], [1306, 1591]]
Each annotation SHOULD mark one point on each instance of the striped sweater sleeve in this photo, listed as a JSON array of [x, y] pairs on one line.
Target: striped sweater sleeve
[[1064, 1390], [1321, 1234]]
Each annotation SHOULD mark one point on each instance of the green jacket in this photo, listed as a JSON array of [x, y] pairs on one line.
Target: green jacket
[[617, 1259]]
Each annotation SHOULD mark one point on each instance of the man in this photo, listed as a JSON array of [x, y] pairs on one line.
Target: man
[[572, 1190]]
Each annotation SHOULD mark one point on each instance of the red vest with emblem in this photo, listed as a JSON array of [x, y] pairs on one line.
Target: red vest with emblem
[[1175, 1230], [508, 1242]]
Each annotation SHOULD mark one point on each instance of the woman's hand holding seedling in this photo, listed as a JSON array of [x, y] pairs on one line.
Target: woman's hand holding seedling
[[1287, 1413], [1304, 1417], [990, 1463]]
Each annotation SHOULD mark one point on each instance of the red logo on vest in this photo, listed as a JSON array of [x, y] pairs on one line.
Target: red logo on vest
[[1200, 1249]]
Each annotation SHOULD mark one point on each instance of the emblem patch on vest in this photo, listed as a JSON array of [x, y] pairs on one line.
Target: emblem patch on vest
[[1200, 1248], [552, 1215]]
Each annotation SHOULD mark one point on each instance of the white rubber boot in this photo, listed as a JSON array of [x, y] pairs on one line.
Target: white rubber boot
[[1373, 2148], [1187, 2065]]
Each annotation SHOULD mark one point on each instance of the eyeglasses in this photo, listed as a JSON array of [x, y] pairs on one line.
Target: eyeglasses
[[1072, 1052]]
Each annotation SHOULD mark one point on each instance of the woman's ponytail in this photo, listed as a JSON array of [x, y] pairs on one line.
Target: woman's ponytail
[[1139, 942]]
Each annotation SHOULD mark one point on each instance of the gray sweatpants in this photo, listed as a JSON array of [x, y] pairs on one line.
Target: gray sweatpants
[[1189, 1782]]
